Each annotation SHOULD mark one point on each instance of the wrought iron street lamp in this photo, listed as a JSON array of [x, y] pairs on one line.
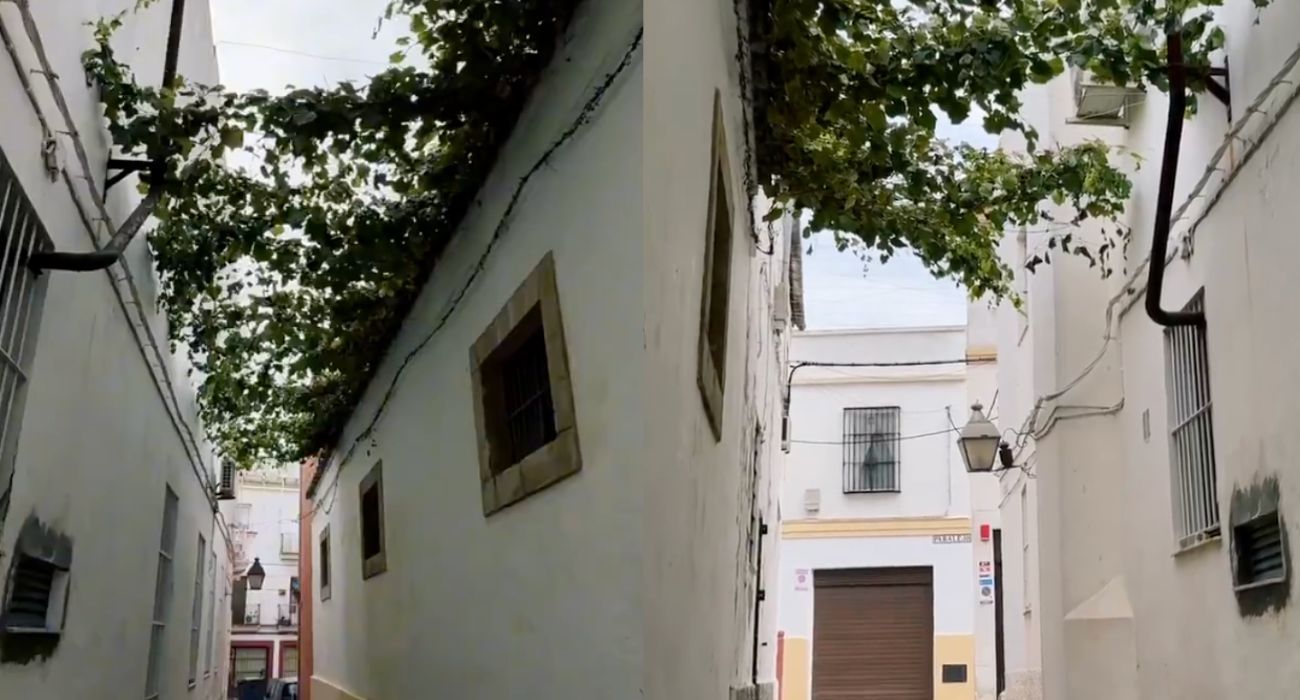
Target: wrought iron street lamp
[[256, 575], [981, 444]]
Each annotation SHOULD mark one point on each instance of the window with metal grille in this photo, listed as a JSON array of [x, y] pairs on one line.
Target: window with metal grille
[[250, 663], [1191, 432], [523, 402], [196, 611], [162, 596], [526, 394], [21, 296], [211, 616], [373, 559], [1258, 548], [871, 448]]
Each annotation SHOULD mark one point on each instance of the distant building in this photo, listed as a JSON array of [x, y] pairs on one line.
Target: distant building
[[113, 560], [888, 546], [264, 528]]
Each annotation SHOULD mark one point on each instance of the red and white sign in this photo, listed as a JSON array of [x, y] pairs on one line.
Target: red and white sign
[[801, 579]]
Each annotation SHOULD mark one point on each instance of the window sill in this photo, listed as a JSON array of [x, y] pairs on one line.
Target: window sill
[[33, 631], [871, 491], [1259, 584], [1198, 542]]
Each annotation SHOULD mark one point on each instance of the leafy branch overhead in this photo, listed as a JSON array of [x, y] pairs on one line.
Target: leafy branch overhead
[[854, 93], [296, 230]]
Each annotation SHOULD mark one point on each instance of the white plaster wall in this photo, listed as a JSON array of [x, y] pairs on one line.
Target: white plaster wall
[[97, 445], [543, 599], [954, 604], [699, 586], [1103, 489], [933, 481]]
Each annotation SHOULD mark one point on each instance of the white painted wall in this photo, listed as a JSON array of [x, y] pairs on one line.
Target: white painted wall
[[97, 443], [1102, 496], [631, 578], [933, 481]]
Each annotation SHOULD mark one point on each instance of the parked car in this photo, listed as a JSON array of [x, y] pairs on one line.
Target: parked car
[[282, 689]]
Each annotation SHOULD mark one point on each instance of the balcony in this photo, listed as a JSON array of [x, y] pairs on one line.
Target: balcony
[[287, 615]]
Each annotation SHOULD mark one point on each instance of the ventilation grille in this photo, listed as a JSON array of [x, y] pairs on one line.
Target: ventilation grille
[[29, 601], [1259, 550]]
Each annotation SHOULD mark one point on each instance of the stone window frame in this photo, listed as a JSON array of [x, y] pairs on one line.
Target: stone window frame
[[711, 375], [377, 563], [561, 457]]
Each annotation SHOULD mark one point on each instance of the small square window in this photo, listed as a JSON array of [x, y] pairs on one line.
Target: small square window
[[325, 563], [373, 559], [523, 402], [716, 297]]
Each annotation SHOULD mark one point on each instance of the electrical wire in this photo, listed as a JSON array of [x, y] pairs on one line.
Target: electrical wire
[[295, 52], [584, 117]]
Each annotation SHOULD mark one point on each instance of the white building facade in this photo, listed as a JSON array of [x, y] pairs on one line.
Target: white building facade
[[113, 558], [621, 553], [263, 519], [1149, 554], [884, 533]]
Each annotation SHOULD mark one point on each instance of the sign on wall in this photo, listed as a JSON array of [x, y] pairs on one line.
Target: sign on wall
[[986, 581], [952, 539], [802, 579]]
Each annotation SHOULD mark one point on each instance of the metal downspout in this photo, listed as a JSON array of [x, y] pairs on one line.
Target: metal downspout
[[1165, 195], [109, 254]]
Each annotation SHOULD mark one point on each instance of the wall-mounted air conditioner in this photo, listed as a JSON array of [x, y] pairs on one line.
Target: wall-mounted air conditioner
[[812, 501], [1096, 102]]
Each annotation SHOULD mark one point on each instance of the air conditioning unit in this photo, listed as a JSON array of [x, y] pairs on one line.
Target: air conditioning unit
[[1096, 102], [226, 490], [781, 307], [812, 501]]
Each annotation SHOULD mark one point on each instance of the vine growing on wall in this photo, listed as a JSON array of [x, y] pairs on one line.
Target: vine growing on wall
[[295, 230]]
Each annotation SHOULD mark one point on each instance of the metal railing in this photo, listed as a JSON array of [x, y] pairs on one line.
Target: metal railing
[[286, 615]]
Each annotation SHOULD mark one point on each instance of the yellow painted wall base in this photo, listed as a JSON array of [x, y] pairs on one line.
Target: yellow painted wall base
[[883, 527], [954, 649], [796, 668], [322, 689]]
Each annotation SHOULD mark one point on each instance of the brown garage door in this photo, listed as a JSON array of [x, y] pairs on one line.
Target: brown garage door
[[873, 634]]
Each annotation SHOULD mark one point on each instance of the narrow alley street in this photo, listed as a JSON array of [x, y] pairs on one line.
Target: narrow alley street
[[648, 349]]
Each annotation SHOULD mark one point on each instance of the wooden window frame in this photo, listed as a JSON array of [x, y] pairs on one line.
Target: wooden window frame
[[377, 563], [502, 486], [711, 374]]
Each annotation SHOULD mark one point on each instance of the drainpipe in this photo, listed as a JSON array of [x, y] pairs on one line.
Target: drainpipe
[[1165, 195], [157, 170]]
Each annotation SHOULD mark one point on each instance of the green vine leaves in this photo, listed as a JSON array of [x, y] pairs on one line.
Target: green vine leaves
[[296, 230], [856, 88]]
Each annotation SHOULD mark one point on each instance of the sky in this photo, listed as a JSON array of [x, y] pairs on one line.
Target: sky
[[270, 44]]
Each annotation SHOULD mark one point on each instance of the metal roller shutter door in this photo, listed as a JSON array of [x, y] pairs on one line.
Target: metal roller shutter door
[[873, 634]]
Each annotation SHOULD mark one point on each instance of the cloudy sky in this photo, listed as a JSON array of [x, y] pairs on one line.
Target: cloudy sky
[[273, 43]]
